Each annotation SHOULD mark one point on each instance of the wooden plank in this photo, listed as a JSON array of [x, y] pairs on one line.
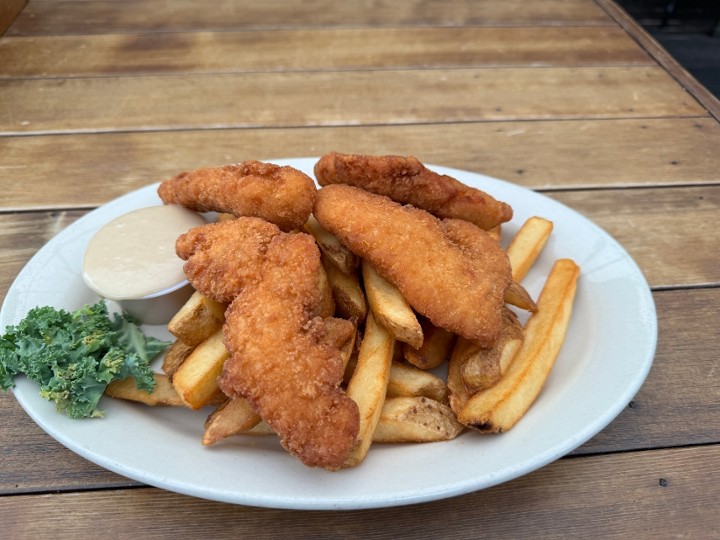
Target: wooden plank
[[358, 98], [679, 403], [668, 232], [299, 50], [9, 10], [665, 59], [104, 17], [55, 171], [617, 496]]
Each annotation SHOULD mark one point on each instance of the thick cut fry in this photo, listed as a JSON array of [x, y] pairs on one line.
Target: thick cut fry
[[390, 308], [232, 417], [416, 419], [196, 379], [498, 408], [346, 291], [527, 244], [162, 394], [496, 232], [436, 347], [517, 296], [483, 367], [343, 259], [175, 356], [368, 384], [197, 320], [409, 381]]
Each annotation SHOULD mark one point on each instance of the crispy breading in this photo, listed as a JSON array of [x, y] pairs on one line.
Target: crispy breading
[[450, 271], [281, 195], [285, 357], [406, 180]]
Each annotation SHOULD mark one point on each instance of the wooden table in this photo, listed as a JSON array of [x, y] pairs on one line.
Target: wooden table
[[568, 97]]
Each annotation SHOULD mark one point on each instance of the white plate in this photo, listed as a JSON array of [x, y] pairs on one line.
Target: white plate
[[608, 352]]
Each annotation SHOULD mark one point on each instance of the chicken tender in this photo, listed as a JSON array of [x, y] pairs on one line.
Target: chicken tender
[[407, 181], [281, 195], [284, 355], [448, 270]]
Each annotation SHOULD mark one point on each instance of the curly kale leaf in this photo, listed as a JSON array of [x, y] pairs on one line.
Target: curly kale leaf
[[73, 356]]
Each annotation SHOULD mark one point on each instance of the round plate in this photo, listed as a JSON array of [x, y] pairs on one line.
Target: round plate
[[608, 351]]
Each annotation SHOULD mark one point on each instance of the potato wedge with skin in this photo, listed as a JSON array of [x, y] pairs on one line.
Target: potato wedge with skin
[[436, 347], [175, 356], [196, 379], [232, 417], [483, 367], [197, 320], [517, 296], [390, 308], [416, 419], [346, 292], [163, 394], [527, 244], [498, 408], [368, 385], [409, 381], [344, 259]]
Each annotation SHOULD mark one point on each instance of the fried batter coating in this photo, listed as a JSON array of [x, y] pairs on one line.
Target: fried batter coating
[[407, 181], [285, 357], [281, 195], [450, 271]]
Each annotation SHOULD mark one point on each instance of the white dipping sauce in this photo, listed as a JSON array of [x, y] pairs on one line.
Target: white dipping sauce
[[134, 256]]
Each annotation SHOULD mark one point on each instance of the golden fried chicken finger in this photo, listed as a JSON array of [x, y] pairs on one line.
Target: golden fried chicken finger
[[457, 287], [407, 181], [281, 195], [285, 358]]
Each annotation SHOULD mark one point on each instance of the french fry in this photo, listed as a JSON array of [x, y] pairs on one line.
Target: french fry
[[517, 296], [197, 320], [346, 291], [163, 394], [196, 379], [498, 408], [483, 367], [224, 216], [232, 417], [390, 307], [527, 244], [368, 384], [175, 356], [330, 245], [409, 381], [416, 419], [436, 347]]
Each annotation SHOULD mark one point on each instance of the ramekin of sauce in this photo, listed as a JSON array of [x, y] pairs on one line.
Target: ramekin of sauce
[[132, 261]]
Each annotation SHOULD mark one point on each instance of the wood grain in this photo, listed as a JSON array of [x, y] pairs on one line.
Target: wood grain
[[616, 496], [677, 256], [88, 170], [357, 98], [662, 56], [9, 10], [679, 403], [320, 49], [60, 17]]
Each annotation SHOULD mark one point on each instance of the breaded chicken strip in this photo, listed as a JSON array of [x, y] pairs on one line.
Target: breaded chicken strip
[[407, 181], [448, 270], [281, 195], [285, 357]]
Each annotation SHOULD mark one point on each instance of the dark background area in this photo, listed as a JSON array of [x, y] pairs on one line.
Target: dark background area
[[688, 29]]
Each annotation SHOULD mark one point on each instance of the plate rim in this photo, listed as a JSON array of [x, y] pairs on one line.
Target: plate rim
[[368, 501]]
